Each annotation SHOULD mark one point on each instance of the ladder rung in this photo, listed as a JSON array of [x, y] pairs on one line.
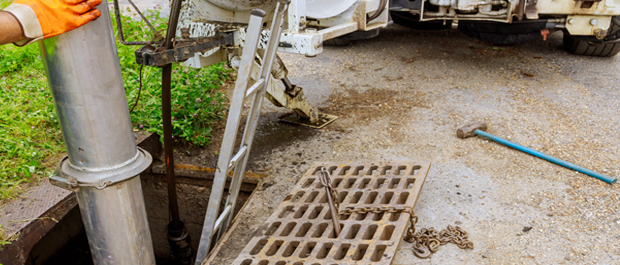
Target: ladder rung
[[220, 219], [235, 159], [254, 88]]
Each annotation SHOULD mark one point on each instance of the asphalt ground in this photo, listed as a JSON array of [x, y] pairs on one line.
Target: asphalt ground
[[402, 95]]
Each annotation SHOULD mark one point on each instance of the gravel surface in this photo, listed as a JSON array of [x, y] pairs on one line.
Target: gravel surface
[[403, 95]]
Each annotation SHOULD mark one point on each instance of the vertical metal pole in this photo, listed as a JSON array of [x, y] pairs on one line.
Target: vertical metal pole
[[175, 223], [297, 17], [116, 224], [103, 161], [178, 237]]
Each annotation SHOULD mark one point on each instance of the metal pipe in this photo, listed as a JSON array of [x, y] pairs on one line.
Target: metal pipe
[[103, 161], [173, 206], [549, 158], [333, 212], [178, 237], [117, 228], [167, 120], [166, 109]]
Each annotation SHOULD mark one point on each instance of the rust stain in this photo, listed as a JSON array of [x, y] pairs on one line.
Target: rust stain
[[212, 170]]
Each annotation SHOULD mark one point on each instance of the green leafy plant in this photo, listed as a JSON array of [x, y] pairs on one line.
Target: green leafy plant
[[5, 3], [30, 136], [29, 129], [3, 241], [197, 102]]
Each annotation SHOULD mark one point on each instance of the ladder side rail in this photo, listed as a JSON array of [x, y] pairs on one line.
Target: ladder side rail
[[230, 134], [252, 121]]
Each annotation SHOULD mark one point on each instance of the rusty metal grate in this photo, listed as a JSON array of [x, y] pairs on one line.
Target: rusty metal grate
[[300, 231]]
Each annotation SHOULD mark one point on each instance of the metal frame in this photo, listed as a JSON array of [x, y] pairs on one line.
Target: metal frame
[[150, 56], [303, 35], [300, 230], [215, 222]]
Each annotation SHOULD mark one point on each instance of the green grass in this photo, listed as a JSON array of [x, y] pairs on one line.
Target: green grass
[[3, 241], [30, 134], [29, 129], [196, 98]]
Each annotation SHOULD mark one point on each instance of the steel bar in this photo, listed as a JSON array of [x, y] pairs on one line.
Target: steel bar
[[259, 84], [178, 237], [223, 215], [148, 23], [238, 155], [119, 28], [183, 50], [173, 205], [103, 161], [549, 158], [332, 210]]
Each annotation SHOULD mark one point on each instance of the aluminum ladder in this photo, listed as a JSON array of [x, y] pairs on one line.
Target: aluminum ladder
[[216, 224]]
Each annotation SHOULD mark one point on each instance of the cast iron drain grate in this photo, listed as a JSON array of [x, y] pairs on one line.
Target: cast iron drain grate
[[300, 230]]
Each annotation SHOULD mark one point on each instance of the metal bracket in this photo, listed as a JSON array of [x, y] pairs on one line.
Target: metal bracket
[[150, 56], [70, 178]]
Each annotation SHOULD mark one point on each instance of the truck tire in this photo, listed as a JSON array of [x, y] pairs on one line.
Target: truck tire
[[337, 42], [579, 46], [501, 33], [590, 46], [347, 39], [412, 21]]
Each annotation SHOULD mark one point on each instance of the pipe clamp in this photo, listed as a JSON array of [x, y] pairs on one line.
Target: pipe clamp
[[70, 178]]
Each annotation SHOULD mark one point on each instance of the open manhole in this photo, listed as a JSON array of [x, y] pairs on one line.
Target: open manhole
[[300, 230], [47, 227]]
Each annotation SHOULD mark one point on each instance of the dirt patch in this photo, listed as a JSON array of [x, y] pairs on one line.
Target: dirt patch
[[370, 104]]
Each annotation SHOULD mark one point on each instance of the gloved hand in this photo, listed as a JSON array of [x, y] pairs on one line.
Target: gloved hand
[[48, 18]]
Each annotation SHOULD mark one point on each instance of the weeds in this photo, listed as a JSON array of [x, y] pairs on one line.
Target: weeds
[[197, 101], [29, 130], [3, 241]]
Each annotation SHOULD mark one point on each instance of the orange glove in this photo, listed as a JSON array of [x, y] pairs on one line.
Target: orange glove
[[48, 18]]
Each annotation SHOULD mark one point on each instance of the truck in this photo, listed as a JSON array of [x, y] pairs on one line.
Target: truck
[[590, 27]]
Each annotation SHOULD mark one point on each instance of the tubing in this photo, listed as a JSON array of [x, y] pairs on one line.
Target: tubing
[[178, 237], [84, 74], [549, 158], [173, 205]]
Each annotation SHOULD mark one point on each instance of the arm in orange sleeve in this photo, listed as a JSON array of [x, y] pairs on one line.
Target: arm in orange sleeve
[[41, 19]]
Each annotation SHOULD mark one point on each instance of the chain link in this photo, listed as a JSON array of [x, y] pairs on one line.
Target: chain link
[[326, 180], [426, 241]]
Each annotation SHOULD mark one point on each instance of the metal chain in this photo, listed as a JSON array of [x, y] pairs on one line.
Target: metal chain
[[426, 241], [326, 180]]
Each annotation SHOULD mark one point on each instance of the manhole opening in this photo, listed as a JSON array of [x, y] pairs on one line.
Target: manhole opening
[[67, 243]]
